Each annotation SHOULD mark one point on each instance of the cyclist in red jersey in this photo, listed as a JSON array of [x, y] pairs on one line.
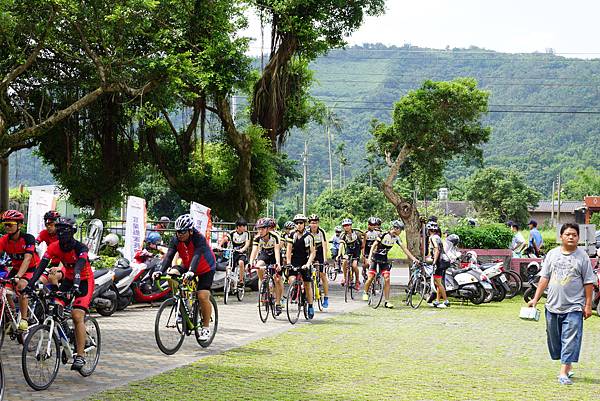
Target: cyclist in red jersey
[[21, 249], [197, 263], [78, 279], [48, 235]]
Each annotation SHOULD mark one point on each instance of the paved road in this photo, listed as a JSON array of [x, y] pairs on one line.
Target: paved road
[[129, 350]]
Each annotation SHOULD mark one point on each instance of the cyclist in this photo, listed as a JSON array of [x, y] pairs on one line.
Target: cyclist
[[378, 258], [350, 244], [301, 254], [440, 263], [320, 240], [20, 247], [240, 239], [373, 232], [197, 263], [335, 242], [288, 232], [77, 278], [48, 235], [266, 252]]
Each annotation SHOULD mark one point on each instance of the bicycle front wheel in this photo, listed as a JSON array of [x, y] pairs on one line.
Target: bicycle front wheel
[[227, 287], [170, 326], [294, 302], [347, 284], [40, 357], [264, 300], [213, 324], [376, 292], [92, 346], [2, 381], [332, 272]]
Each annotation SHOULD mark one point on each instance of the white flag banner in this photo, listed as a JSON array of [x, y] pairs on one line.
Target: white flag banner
[[135, 226], [39, 203], [201, 216]]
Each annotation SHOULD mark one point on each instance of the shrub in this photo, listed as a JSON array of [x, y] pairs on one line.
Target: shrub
[[487, 236]]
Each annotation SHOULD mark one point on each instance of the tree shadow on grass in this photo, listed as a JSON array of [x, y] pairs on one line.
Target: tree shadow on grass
[[587, 380]]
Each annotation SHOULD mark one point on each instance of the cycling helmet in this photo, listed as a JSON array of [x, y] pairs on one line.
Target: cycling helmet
[[153, 238], [289, 225], [241, 223], [13, 215], [51, 216], [263, 223], [111, 239], [398, 225], [122, 263], [313, 217], [433, 218], [164, 219], [533, 268], [374, 221], [300, 217], [272, 222], [432, 226], [347, 222], [338, 229], [63, 223], [454, 239], [184, 222]]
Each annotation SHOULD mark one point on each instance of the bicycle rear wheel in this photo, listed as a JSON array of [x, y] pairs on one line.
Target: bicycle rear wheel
[[213, 325], [40, 358], [170, 326], [318, 292], [93, 346], [514, 282], [293, 302], [2, 381], [264, 299]]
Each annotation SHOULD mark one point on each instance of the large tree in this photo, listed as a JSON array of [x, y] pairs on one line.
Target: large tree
[[430, 126]]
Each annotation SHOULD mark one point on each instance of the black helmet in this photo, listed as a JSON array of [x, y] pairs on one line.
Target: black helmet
[[122, 263], [65, 223]]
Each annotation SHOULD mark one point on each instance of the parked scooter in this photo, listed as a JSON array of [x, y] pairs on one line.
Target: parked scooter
[[467, 284], [144, 288], [104, 298], [596, 293], [533, 278]]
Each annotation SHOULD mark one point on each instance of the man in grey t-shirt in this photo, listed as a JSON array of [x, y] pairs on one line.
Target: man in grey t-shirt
[[567, 273]]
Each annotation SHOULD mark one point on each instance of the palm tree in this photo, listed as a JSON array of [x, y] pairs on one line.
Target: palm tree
[[332, 121], [343, 160]]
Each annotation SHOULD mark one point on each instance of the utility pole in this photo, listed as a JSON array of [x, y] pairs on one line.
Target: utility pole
[[305, 165], [330, 161], [558, 196], [552, 223]]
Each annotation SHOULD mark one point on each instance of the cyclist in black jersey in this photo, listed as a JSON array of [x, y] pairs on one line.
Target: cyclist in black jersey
[[321, 256], [350, 246], [240, 238], [266, 252], [378, 258], [373, 232], [288, 231], [301, 254]]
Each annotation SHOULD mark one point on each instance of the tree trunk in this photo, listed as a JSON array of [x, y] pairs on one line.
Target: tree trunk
[[98, 208], [4, 183], [330, 161]]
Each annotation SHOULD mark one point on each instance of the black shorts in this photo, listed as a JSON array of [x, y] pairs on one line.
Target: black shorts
[[268, 258], [239, 256], [305, 273], [440, 268], [382, 265], [319, 256], [353, 253], [203, 281]]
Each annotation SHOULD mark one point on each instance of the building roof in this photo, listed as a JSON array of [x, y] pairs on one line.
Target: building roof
[[545, 206]]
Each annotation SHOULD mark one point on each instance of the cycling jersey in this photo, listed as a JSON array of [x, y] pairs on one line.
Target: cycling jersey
[[239, 239], [69, 260], [351, 242], [17, 250], [383, 244], [319, 239], [267, 245], [370, 238], [195, 253], [301, 244], [45, 236]]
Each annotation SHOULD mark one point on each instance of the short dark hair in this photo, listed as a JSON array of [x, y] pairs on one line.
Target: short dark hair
[[515, 225], [574, 226], [533, 223]]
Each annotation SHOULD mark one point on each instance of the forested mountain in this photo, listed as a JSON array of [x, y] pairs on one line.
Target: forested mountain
[[545, 108]]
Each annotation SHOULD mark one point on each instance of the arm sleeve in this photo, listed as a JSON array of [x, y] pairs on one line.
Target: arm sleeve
[[201, 248], [168, 259], [39, 270], [82, 259]]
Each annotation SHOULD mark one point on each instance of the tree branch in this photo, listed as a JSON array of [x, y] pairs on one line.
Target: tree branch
[[91, 54], [166, 116], [388, 184]]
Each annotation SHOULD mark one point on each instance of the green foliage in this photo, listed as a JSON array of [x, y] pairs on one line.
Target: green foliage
[[501, 194], [105, 262], [596, 220], [15, 195], [585, 182], [487, 236]]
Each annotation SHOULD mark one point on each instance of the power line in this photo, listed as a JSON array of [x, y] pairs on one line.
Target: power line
[[483, 85], [489, 111], [337, 100]]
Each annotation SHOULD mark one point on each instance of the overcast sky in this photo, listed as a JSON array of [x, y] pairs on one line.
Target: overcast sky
[[507, 25]]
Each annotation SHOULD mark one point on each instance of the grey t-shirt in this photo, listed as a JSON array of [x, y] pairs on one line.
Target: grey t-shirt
[[567, 273]]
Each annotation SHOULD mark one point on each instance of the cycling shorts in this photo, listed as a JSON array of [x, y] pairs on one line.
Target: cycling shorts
[[353, 253], [86, 288], [383, 265], [203, 280], [305, 273], [268, 258]]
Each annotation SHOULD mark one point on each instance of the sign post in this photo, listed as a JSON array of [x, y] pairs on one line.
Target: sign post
[[201, 216], [135, 226]]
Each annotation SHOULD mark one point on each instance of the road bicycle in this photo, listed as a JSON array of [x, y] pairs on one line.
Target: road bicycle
[[232, 278], [181, 315], [296, 296], [317, 285], [419, 285], [53, 341], [376, 289], [349, 289], [266, 295], [9, 318]]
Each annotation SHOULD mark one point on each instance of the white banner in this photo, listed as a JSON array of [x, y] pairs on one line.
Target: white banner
[[39, 203], [135, 226], [201, 216]]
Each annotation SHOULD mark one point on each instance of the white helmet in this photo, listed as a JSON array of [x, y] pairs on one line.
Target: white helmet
[[347, 222], [111, 239], [184, 222], [299, 217]]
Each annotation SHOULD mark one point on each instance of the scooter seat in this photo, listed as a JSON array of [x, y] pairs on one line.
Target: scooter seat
[[222, 267], [121, 273], [100, 273]]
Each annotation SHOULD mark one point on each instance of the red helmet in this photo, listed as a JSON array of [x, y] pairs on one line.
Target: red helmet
[[51, 215], [13, 215]]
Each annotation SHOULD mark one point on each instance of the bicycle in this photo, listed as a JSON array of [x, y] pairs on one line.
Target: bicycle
[[53, 341], [181, 315], [376, 290], [231, 279], [419, 284], [514, 282], [317, 285], [9, 318], [2, 381], [296, 296], [266, 295], [333, 270], [348, 282]]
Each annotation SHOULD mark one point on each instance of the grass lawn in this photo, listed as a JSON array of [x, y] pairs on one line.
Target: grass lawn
[[462, 353]]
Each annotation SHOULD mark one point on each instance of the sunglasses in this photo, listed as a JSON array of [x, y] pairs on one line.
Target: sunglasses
[[9, 223], [181, 232]]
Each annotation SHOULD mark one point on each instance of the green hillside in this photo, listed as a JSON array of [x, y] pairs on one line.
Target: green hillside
[[536, 137]]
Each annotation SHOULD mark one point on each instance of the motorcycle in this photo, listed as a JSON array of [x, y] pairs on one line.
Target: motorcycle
[[104, 297], [144, 288], [596, 293], [494, 272], [467, 284], [533, 278]]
